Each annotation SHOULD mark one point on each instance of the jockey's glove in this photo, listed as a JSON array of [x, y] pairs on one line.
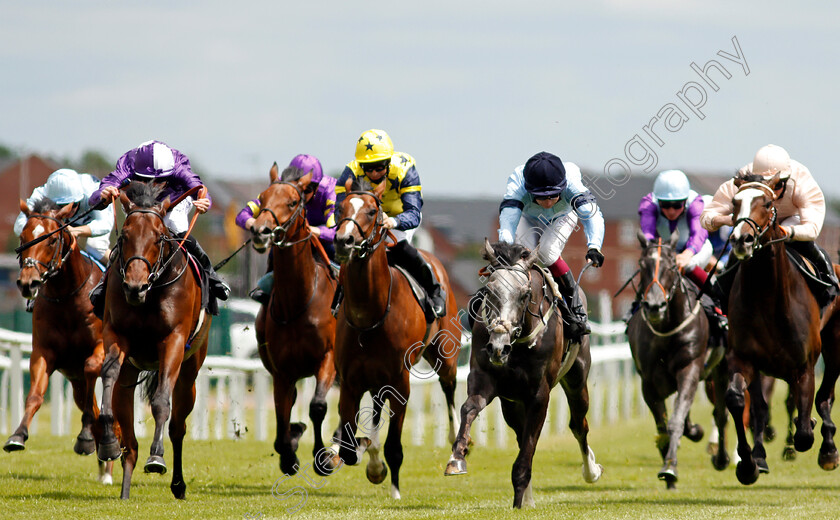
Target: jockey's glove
[[595, 256]]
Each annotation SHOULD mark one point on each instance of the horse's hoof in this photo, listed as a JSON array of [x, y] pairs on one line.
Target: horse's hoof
[[669, 475], [829, 460], [109, 451], [289, 464], [179, 490], [762, 465], [155, 464], [747, 473], [376, 477], [720, 461], [802, 441], [788, 453], [695, 433], [455, 467], [769, 433], [84, 446], [670, 485], [14, 444], [322, 470], [712, 448]]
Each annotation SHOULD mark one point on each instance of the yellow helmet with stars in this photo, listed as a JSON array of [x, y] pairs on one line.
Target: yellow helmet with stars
[[374, 145]]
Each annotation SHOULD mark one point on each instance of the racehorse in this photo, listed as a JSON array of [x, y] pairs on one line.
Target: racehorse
[[668, 339], [519, 354], [153, 321], [381, 333], [66, 336], [775, 328], [296, 330]]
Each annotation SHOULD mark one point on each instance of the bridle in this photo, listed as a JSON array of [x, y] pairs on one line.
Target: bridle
[[760, 231], [160, 266], [371, 242], [56, 262], [667, 294], [515, 329], [283, 229]]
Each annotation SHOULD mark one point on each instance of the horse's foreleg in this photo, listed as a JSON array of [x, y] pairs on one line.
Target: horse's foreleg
[[767, 384], [348, 447], [183, 400], [687, 381], [803, 387], [657, 408], [448, 387], [109, 446], [521, 472], [789, 453], [720, 458], [575, 387], [40, 369], [481, 392], [393, 442], [828, 458], [318, 408], [170, 360], [759, 414], [746, 470], [84, 395], [124, 412], [288, 435]]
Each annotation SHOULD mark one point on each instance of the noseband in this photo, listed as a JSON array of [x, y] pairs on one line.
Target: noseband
[[284, 227], [515, 329], [160, 265], [759, 231], [54, 266], [655, 282], [370, 242]]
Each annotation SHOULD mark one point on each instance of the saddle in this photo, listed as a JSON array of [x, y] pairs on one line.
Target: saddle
[[816, 280], [420, 295]]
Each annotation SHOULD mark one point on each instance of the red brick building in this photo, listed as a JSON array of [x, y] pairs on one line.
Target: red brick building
[[18, 179]]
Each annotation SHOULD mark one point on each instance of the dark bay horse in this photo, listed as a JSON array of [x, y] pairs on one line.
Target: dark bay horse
[[296, 331], [775, 328], [381, 333], [669, 338], [519, 354], [66, 336], [153, 321]]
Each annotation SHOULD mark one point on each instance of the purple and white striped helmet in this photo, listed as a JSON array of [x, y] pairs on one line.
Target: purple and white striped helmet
[[153, 159]]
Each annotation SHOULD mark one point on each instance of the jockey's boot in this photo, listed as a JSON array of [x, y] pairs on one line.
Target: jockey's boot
[[97, 296], [337, 298], [825, 269], [218, 288], [262, 292], [30, 305], [406, 256], [571, 309]]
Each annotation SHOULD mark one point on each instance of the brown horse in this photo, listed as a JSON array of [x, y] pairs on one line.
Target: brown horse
[[381, 333], [524, 356], [668, 338], [775, 328], [66, 336], [295, 331], [153, 321]]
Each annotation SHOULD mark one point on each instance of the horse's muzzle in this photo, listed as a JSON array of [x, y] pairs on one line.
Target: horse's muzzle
[[743, 246], [29, 289], [343, 247], [135, 294], [260, 239], [654, 311], [499, 349]]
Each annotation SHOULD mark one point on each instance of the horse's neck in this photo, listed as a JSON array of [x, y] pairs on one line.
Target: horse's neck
[[74, 270], [366, 287], [768, 273], [294, 276], [679, 306]]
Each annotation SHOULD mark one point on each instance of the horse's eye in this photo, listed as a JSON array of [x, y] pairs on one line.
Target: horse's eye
[[768, 204], [371, 212], [293, 203]]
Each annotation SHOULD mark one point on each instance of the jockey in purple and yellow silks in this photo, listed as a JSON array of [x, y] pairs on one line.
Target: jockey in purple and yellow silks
[[376, 162], [319, 199], [155, 161]]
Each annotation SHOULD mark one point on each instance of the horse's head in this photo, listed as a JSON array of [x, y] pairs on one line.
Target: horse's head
[[658, 275], [142, 241], [282, 208], [508, 296], [42, 261], [360, 218], [754, 213]]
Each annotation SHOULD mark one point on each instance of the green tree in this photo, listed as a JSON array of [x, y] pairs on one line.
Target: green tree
[[6, 153], [95, 162]]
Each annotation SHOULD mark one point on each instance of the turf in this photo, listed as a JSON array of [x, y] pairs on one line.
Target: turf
[[234, 479]]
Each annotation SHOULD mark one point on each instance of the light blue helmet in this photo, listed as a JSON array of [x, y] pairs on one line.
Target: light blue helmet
[[671, 185], [64, 186]]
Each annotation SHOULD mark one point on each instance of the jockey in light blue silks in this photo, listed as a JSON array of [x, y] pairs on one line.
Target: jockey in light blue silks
[[544, 199], [66, 186]]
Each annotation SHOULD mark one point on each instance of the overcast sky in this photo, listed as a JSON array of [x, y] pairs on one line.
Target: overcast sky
[[471, 89]]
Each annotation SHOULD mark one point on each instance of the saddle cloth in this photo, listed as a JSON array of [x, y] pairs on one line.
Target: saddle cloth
[[420, 295]]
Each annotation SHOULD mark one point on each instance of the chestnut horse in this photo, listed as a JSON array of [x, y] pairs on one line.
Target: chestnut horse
[[669, 338], [66, 336], [775, 328], [381, 333], [296, 330], [519, 354], [153, 321]]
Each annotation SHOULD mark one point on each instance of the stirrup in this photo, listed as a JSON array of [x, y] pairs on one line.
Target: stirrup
[[30, 305], [259, 296]]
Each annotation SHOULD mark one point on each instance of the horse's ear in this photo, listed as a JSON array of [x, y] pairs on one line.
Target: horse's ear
[[126, 204], [379, 190], [24, 208], [487, 252], [675, 237], [274, 173], [738, 181], [642, 238], [775, 180], [66, 211], [304, 181], [532, 258], [348, 186], [165, 205]]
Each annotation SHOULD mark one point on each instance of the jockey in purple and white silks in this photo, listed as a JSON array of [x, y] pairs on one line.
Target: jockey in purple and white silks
[[542, 204], [319, 199], [155, 161]]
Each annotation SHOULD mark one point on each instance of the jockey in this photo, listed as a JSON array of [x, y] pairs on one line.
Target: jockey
[[719, 240], [319, 198], [673, 205], [376, 162], [66, 186], [154, 160], [542, 204], [800, 209]]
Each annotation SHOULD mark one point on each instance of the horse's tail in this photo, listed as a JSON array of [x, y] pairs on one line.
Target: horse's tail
[[149, 379]]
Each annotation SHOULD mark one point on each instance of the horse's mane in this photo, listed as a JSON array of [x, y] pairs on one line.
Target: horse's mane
[[509, 254], [751, 177], [144, 194], [44, 205], [361, 185], [292, 173]]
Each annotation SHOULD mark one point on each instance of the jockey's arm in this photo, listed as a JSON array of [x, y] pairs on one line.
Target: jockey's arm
[[718, 213], [586, 207], [510, 210], [809, 199], [697, 235]]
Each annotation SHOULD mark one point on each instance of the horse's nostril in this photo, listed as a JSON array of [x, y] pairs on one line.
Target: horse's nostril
[[749, 239], [506, 350]]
